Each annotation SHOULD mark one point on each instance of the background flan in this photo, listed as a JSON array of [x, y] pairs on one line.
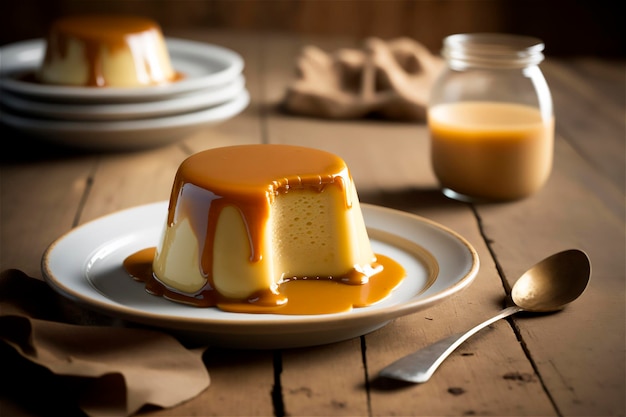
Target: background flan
[[106, 51]]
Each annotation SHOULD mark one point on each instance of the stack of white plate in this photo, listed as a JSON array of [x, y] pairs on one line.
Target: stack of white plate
[[212, 90]]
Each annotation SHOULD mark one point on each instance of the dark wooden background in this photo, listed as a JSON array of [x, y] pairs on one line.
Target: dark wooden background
[[568, 27]]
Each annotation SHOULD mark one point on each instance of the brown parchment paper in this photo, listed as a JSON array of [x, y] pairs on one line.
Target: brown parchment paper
[[389, 79], [104, 370]]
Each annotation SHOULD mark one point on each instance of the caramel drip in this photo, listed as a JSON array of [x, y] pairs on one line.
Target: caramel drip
[[97, 32], [254, 213]]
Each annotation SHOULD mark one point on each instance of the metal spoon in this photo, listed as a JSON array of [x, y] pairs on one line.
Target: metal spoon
[[548, 286]]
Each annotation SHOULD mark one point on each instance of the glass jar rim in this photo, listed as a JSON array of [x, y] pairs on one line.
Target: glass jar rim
[[492, 49]]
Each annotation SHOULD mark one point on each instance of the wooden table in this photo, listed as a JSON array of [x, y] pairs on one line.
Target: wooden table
[[566, 364]]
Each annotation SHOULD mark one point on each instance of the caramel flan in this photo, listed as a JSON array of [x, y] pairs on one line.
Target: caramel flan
[[245, 222], [106, 51]]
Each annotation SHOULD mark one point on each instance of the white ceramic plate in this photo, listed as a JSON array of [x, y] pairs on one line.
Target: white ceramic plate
[[197, 100], [124, 134], [204, 66], [85, 265]]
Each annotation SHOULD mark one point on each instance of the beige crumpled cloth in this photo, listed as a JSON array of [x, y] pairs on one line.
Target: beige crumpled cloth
[[388, 79], [102, 370]]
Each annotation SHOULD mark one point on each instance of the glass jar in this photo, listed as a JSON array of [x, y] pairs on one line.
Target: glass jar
[[490, 118]]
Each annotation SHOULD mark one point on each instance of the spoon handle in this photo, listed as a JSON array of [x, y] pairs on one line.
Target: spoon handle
[[419, 366]]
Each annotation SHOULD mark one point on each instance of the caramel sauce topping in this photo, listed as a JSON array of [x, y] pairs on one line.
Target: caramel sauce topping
[[249, 177]]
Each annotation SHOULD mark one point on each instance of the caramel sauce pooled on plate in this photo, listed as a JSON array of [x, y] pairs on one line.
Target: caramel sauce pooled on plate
[[318, 295]]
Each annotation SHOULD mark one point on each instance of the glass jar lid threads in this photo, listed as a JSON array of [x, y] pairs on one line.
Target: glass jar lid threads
[[492, 50]]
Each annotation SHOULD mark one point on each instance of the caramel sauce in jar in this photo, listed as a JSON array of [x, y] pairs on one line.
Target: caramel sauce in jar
[[491, 119]]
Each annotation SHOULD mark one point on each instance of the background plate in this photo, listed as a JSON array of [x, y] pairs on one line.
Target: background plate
[[125, 134], [204, 66], [85, 265], [182, 103]]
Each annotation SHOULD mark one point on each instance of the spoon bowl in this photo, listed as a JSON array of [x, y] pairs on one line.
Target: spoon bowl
[[553, 283], [548, 286]]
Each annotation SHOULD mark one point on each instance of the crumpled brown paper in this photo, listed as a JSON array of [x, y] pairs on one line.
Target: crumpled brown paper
[[389, 79], [112, 371]]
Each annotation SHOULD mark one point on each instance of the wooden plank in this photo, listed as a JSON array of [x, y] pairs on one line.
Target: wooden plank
[[589, 112], [244, 128], [41, 190], [242, 384], [489, 374], [325, 381], [585, 374], [126, 180]]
